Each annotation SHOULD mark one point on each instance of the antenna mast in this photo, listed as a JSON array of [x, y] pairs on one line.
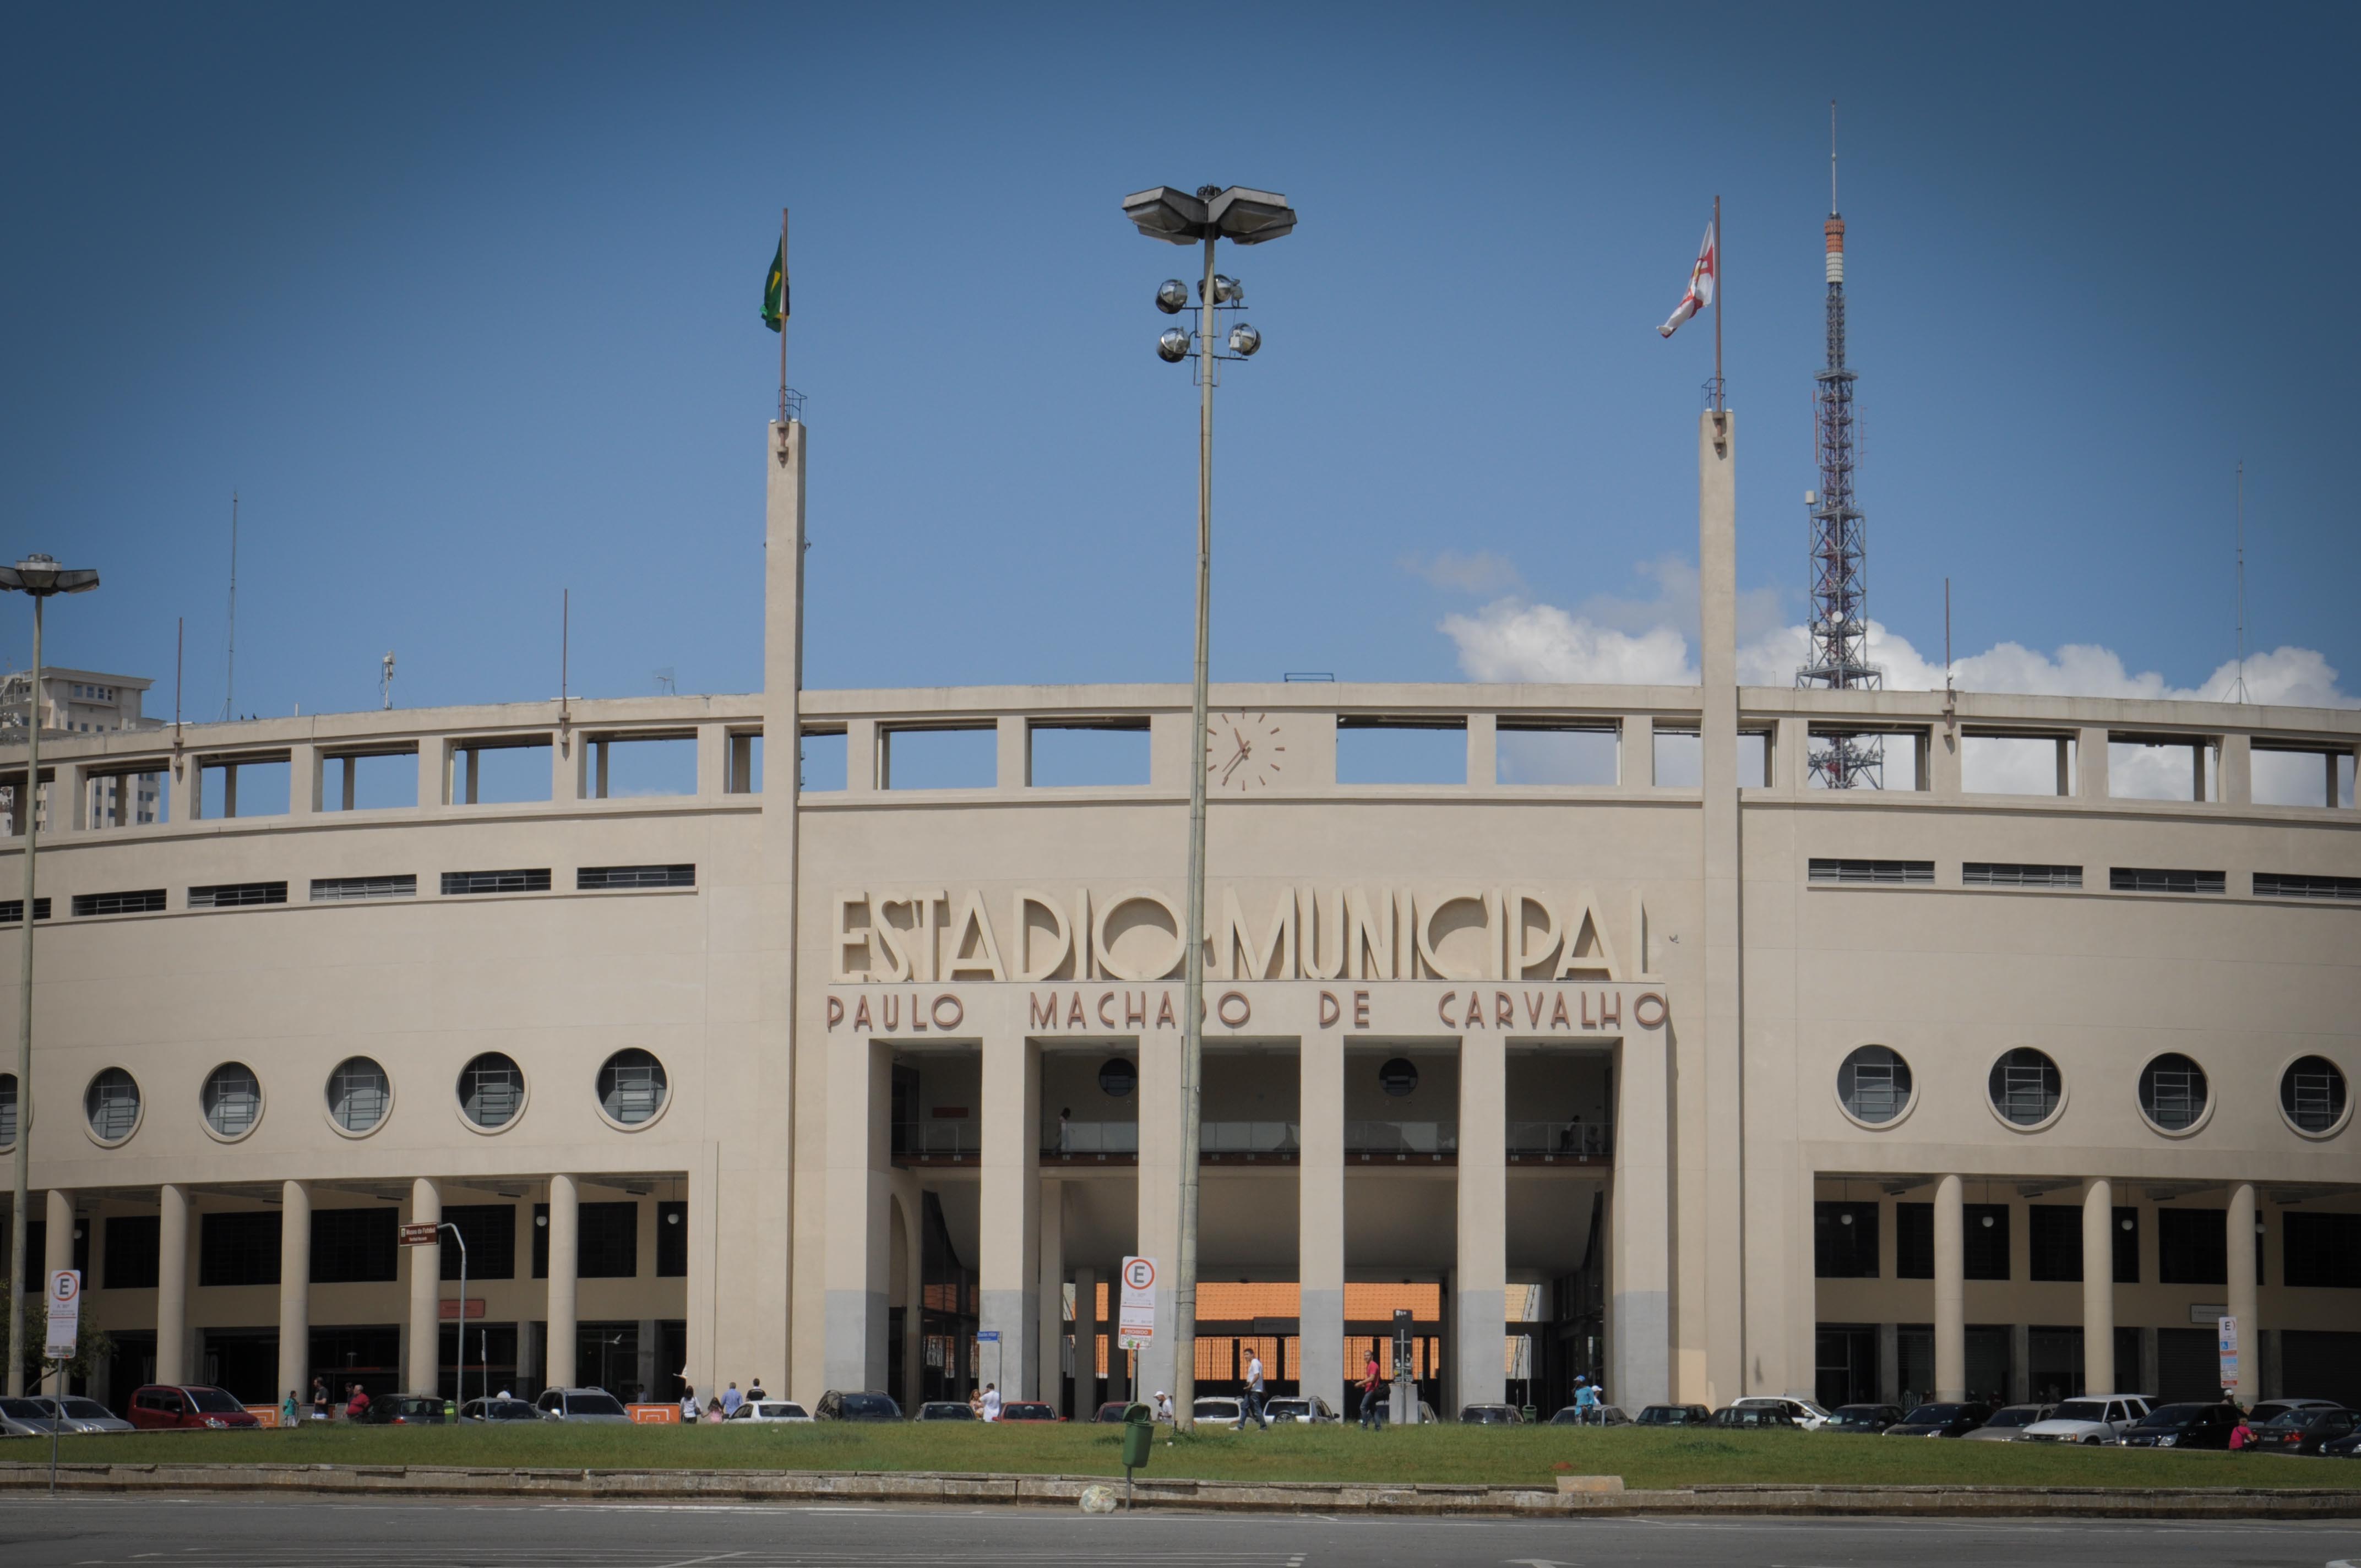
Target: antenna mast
[[2238, 691], [229, 686], [1840, 585]]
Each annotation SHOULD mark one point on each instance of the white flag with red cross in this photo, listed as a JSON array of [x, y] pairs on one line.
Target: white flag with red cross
[[1700, 292]]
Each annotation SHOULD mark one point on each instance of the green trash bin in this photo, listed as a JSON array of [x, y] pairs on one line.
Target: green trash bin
[[1138, 1444]]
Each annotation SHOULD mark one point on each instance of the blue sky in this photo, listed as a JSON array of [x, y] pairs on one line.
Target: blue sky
[[462, 301]]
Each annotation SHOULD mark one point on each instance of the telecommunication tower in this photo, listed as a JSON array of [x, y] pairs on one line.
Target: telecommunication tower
[[1839, 628]]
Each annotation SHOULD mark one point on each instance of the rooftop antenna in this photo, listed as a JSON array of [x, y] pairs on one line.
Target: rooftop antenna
[[2238, 689], [385, 682], [229, 688], [664, 681], [564, 653]]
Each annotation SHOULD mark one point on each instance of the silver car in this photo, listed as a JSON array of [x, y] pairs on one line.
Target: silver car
[[30, 1418], [86, 1415], [589, 1407], [2008, 1422], [1306, 1410]]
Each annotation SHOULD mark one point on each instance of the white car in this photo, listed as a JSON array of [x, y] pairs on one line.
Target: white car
[[1312, 1410], [768, 1411], [2092, 1419], [1803, 1412]]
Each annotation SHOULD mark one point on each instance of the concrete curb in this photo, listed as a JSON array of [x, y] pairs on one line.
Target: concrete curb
[[1276, 1496]]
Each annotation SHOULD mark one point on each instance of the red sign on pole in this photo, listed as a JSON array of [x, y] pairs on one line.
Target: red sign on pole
[[475, 1308]]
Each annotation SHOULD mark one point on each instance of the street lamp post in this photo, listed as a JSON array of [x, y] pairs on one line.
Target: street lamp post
[[40, 577], [1243, 216]]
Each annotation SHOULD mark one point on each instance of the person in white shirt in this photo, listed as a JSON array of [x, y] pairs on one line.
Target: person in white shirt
[[1252, 1404], [991, 1402], [1163, 1408]]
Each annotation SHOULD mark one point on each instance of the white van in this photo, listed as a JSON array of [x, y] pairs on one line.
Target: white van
[[2092, 1418]]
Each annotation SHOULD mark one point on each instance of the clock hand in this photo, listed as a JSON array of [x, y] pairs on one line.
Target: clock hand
[[1233, 767]]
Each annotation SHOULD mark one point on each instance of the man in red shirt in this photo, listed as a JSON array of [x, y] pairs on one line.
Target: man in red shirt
[[357, 1406], [1373, 1408]]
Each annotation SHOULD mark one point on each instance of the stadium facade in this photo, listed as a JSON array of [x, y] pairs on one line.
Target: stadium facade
[[1694, 1076]]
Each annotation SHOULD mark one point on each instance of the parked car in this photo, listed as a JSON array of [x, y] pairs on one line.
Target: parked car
[[82, 1415], [1753, 1417], [1029, 1410], [1673, 1416], [168, 1405], [770, 1412], [29, 1418], [2272, 1409], [1600, 1416], [482, 1410], [1870, 1419], [1213, 1411], [1941, 1420], [2008, 1422], [1113, 1409], [587, 1407], [2093, 1417], [2345, 1447], [404, 1411], [1303, 1410], [2183, 1426], [1490, 1416], [1803, 1412], [2304, 1431], [937, 1410], [858, 1405]]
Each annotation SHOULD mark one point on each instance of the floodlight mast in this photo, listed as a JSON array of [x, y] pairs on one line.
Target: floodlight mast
[[1245, 216]]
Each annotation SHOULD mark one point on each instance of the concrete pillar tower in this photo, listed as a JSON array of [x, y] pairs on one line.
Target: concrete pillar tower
[[1009, 1269], [57, 1252], [2099, 1287], [1086, 1340], [2241, 1263], [1950, 1291], [1479, 1283], [422, 1351], [1050, 1293], [295, 1290], [565, 1268], [1320, 1200], [173, 1286], [757, 1293]]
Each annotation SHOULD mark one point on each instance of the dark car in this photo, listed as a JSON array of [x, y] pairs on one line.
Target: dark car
[[932, 1411], [1490, 1416], [2304, 1431], [1112, 1410], [2345, 1447], [1870, 1418], [498, 1410], [168, 1405], [1029, 1410], [856, 1404], [2183, 1426], [1753, 1418], [1941, 1420], [1674, 1416], [404, 1410]]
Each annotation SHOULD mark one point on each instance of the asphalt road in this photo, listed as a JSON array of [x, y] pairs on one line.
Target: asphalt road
[[86, 1532]]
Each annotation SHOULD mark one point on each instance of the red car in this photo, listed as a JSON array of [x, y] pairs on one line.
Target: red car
[[1028, 1410], [163, 1406]]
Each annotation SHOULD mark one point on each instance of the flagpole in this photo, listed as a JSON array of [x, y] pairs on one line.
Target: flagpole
[[1719, 282], [782, 313]]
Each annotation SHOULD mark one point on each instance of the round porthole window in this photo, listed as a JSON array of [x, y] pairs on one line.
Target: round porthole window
[[359, 1094], [632, 1088], [2172, 1092], [2025, 1086], [1397, 1077], [112, 1105], [1118, 1076], [2312, 1096], [1873, 1085], [491, 1090], [231, 1100]]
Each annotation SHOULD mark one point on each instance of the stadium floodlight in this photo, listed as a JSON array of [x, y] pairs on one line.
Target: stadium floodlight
[[1173, 296]]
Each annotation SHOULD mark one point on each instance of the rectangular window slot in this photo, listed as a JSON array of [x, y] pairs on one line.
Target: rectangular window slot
[[1918, 872], [12, 787], [2291, 775], [490, 1231], [370, 781], [1754, 759], [1372, 749], [745, 763], [1902, 753], [2150, 879], [240, 1248], [1679, 758], [1091, 753], [2322, 1250], [822, 760], [594, 879], [346, 889], [12, 910], [500, 773], [236, 894], [457, 883], [2011, 873], [627, 766], [146, 901], [1984, 1241], [608, 1241], [2056, 1241], [2192, 1246], [131, 1252], [938, 757], [1559, 752], [242, 786], [1997, 762], [2163, 767], [125, 800], [2267, 884], [355, 1247]]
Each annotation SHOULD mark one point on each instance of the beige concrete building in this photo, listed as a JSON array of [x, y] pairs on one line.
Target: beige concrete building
[[1610, 1048]]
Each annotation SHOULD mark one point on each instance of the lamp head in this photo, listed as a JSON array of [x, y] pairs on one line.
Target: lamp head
[[1227, 290], [1162, 212], [1246, 216], [1244, 340], [40, 576], [1173, 296], [1173, 346]]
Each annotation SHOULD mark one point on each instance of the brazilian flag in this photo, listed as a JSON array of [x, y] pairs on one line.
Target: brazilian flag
[[774, 291]]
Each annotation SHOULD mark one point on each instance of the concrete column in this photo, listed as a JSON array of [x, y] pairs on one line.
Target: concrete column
[[564, 1270], [1479, 1301], [172, 1286], [2020, 1363], [1889, 1361], [1943, 761], [1639, 1229], [1636, 752], [860, 756], [1086, 1341], [434, 781], [1320, 1215], [2241, 1292], [567, 749], [1050, 1291], [2090, 764], [423, 1354], [1483, 751], [1790, 756], [57, 1251], [1711, 1171], [1951, 1292], [2235, 784], [295, 1291], [303, 783], [860, 1104], [2099, 1287], [1159, 1189], [713, 772], [1009, 1238], [1014, 753]]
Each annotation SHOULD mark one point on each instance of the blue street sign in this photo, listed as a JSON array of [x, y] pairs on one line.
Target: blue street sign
[[988, 1336]]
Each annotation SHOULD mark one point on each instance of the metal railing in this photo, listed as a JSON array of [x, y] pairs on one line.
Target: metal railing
[[1249, 1138], [1567, 1139], [1088, 1139], [1430, 1138], [936, 1140]]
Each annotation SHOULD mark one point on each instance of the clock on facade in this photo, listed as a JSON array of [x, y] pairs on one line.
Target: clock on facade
[[1242, 751]]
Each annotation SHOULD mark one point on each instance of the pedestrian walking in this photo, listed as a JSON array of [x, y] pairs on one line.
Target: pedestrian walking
[[1373, 1408], [1585, 1401], [1163, 1407], [754, 1390], [731, 1399], [991, 1401], [319, 1398], [713, 1416], [688, 1407], [356, 1407], [1252, 1404], [290, 1410], [976, 1403]]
